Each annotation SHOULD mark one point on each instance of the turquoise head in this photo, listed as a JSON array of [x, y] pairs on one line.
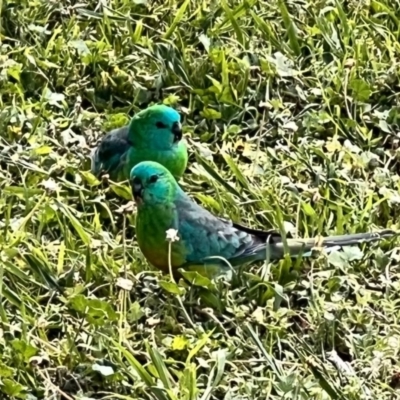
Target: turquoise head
[[157, 127], [152, 184]]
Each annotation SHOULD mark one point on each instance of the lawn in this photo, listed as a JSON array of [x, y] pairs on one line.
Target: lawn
[[291, 114]]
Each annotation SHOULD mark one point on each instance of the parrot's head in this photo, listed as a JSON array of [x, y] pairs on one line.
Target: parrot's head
[[152, 184], [157, 127]]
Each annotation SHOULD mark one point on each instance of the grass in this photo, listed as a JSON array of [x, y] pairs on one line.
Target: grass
[[294, 104]]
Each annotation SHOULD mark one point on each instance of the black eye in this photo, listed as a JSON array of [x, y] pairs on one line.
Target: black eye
[[153, 178], [160, 125]]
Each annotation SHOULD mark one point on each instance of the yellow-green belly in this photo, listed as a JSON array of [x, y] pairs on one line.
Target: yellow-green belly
[[151, 227]]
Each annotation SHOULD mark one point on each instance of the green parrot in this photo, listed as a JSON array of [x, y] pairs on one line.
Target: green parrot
[[162, 205], [154, 134]]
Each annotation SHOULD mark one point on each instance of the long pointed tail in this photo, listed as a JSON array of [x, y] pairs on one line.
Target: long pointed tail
[[330, 243], [216, 267]]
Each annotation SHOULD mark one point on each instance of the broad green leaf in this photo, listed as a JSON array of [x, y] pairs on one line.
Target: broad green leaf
[[122, 191], [11, 388], [308, 209], [172, 287], [42, 150], [26, 350], [210, 113], [196, 279], [337, 259], [135, 312], [6, 371], [90, 178], [361, 90], [81, 46]]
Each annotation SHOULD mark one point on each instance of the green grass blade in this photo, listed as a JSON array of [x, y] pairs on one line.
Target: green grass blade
[[235, 25], [160, 367], [290, 28], [178, 18], [210, 170]]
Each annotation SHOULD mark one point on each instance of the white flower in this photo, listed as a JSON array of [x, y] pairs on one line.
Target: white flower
[[103, 369], [172, 235], [125, 284], [50, 185]]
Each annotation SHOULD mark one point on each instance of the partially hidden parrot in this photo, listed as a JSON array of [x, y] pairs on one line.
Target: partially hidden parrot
[[162, 205], [153, 134]]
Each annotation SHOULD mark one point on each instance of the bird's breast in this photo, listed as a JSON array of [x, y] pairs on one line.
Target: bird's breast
[[151, 226]]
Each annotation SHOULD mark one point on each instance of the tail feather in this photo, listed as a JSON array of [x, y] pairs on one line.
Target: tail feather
[[304, 247], [95, 165], [214, 267]]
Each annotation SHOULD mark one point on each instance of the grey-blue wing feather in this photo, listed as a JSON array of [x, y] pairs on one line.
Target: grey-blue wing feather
[[206, 235], [108, 156]]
